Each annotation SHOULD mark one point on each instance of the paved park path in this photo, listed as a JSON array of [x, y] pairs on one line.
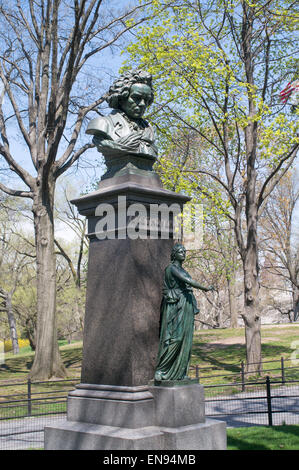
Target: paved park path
[[251, 408], [26, 433]]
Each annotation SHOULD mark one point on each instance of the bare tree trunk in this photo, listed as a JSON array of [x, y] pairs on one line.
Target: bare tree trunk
[[47, 362], [295, 295], [231, 285], [231, 288], [251, 315], [12, 323], [253, 340], [250, 260], [30, 333]]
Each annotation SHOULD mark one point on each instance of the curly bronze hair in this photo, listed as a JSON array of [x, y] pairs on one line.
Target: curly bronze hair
[[120, 89]]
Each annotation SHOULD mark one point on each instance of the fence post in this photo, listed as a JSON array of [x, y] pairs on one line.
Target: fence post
[[269, 404], [197, 371], [29, 397], [243, 376], [282, 370]]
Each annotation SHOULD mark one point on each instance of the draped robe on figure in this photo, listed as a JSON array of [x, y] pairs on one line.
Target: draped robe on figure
[[177, 325]]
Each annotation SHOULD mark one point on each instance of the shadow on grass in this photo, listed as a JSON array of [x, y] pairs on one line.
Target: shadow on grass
[[229, 357], [219, 356], [18, 367], [289, 429], [72, 357], [240, 444]]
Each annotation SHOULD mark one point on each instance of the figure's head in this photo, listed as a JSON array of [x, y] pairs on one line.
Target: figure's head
[[132, 93], [178, 252]]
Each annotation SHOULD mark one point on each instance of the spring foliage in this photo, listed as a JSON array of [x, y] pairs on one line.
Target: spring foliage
[[214, 80]]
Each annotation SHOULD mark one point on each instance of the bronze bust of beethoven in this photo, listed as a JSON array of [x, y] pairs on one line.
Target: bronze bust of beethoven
[[124, 131]]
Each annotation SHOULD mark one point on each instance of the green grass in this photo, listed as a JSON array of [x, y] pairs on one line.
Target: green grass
[[263, 438], [16, 369], [211, 349], [37, 409], [18, 366], [222, 350]]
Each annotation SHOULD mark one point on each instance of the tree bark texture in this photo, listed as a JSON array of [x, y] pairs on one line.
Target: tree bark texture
[[47, 362], [251, 316], [231, 289], [295, 295], [12, 324]]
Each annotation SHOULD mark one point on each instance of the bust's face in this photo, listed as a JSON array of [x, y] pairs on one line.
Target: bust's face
[[138, 100]]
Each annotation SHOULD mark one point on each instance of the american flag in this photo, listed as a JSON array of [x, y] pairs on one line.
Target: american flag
[[292, 87]]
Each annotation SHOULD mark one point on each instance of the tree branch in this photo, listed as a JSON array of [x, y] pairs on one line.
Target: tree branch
[[15, 192], [264, 193], [204, 172], [72, 160]]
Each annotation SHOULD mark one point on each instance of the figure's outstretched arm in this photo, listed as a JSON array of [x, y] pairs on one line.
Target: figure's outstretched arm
[[189, 280], [206, 289]]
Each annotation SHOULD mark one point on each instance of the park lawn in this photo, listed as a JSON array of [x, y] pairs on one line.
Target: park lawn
[[14, 376], [18, 366], [221, 350], [227, 345], [284, 437]]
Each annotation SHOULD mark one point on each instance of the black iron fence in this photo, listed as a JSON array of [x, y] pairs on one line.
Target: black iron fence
[[264, 402], [281, 369], [25, 399], [27, 407]]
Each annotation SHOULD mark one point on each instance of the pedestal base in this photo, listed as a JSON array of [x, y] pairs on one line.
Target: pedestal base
[[210, 435], [135, 418]]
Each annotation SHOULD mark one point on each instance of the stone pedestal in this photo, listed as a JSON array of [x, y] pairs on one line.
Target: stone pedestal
[[114, 407], [137, 418], [125, 279]]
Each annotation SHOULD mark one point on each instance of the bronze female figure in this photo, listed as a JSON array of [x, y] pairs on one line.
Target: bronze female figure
[[177, 319]]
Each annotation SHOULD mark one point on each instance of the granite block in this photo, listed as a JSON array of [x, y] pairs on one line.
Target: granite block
[[178, 406], [128, 407], [209, 435], [85, 436]]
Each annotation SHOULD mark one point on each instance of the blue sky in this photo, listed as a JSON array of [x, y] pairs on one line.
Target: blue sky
[[103, 68]]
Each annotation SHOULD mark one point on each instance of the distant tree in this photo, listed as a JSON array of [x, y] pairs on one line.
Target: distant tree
[[16, 255], [24, 305], [68, 215], [217, 261], [72, 268], [280, 237]]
